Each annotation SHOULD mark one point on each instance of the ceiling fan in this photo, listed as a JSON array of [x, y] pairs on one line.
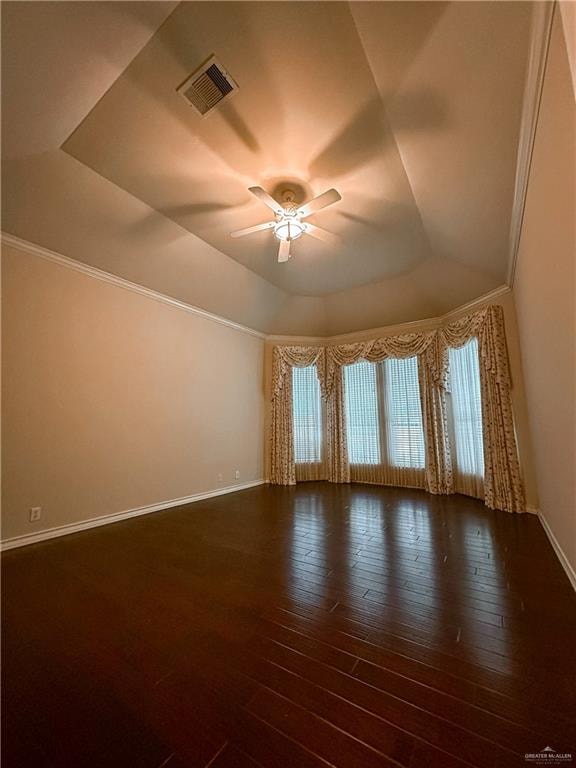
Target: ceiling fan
[[288, 224]]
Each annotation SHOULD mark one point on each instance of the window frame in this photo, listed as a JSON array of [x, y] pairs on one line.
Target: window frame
[[387, 422], [465, 482], [322, 421], [379, 415], [385, 465]]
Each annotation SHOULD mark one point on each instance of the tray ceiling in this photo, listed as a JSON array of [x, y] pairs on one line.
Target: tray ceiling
[[411, 110]]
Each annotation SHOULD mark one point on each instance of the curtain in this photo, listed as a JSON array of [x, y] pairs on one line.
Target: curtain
[[338, 467], [503, 487], [433, 379], [467, 419], [284, 359], [502, 480], [282, 469], [375, 351]]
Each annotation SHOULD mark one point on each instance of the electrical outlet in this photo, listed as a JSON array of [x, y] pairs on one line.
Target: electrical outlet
[[220, 477], [237, 474], [34, 514]]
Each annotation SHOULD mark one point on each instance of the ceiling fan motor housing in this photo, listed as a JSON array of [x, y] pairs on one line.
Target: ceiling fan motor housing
[[288, 214], [290, 191]]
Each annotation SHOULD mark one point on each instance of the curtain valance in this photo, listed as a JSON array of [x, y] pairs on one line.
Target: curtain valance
[[376, 350], [459, 332], [488, 326], [284, 358]]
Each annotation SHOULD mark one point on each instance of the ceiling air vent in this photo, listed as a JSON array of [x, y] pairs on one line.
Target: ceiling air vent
[[207, 86]]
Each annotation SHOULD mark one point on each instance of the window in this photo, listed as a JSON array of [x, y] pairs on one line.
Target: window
[[361, 406], [306, 415], [383, 414], [405, 433], [467, 409]]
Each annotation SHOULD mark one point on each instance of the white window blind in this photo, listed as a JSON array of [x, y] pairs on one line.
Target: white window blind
[[361, 406], [467, 409], [306, 415], [404, 430]]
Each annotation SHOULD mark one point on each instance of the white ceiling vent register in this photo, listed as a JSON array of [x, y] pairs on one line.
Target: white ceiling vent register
[[208, 86]]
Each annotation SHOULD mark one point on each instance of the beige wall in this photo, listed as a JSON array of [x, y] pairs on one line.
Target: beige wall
[[519, 405], [544, 292], [113, 400]]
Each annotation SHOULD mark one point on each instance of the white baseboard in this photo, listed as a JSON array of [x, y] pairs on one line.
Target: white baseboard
[[532, 510], [570, 572], [95, 522]]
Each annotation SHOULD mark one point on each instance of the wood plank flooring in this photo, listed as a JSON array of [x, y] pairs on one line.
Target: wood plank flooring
[[322, 625]]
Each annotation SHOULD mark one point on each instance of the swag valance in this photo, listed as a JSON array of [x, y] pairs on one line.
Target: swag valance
[[502, 481], [407, 345], [488, 326], [284, 358]]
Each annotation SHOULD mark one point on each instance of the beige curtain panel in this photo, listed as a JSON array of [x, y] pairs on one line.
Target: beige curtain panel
[[502, 481], [503, 487], [338, 468], [283, 468], [433, 380]]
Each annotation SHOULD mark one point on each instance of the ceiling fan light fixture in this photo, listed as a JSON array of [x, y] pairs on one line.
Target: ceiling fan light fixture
[[289, 228], [287, 224]]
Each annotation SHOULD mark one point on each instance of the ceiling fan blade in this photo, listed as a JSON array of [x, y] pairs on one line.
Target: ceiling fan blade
[[321, 234], [284, 251], [249, 230], [317, 203], [262, 195]]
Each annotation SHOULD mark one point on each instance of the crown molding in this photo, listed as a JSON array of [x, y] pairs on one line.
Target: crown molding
[[287, 340], [502, 290], [542, 18], [120, 282], [369, 333], [391, 330]]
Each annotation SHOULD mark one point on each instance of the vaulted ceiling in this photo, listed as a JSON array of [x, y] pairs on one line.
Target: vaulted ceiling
[[411, 110]]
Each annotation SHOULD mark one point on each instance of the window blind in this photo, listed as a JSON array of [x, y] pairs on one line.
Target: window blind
[[361, 407], [306, 415], [467, 414], [404, 430]]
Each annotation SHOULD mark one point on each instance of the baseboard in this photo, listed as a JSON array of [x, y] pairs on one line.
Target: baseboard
[[570, 572], [65, 530], [532, 510]]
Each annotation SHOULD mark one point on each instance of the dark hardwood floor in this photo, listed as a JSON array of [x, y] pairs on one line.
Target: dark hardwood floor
[[351, 626]]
